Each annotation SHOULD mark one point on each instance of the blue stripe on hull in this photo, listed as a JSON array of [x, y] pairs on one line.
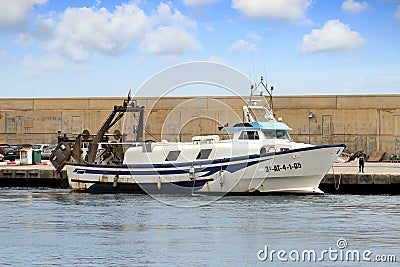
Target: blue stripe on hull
[[104, 170]]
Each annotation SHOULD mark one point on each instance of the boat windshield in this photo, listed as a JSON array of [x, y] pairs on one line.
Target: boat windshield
[[276, 134]]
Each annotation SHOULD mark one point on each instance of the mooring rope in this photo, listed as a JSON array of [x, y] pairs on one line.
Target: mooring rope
[[337, 186]]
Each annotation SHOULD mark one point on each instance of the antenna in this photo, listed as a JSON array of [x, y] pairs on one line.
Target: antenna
[[254, 74], [262, 85], [265, 72], [252, 79], [254, 85]]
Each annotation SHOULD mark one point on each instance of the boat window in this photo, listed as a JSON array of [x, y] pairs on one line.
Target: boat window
[[272, 134], [172, 155], [281, 134], [204, 154], [246, 124], [269, 134], [249, 135]]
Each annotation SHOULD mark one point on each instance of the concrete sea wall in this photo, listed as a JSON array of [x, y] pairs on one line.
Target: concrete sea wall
[[369, 121]]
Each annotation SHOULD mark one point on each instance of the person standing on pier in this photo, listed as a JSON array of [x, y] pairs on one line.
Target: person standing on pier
[[361, 159]]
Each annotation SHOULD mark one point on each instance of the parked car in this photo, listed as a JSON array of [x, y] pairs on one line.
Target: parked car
[[4, 145], [46, 152], [39, 147], [8, 152]]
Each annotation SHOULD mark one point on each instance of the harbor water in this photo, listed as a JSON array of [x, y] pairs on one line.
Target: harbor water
[[50, 227]]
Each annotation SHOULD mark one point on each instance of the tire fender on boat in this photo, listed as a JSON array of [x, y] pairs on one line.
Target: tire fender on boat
[[271, 149]]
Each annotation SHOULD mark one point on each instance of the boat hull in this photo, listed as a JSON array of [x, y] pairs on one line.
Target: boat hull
[[297, 171]]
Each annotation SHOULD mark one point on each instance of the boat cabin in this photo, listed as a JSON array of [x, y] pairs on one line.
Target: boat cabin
[[259, 130]]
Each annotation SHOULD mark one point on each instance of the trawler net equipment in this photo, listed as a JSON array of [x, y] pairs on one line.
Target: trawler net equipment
[[112, 153]]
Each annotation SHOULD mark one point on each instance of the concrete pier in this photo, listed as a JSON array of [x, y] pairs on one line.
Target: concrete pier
[[378, 178], [342, 178], [43, 175]]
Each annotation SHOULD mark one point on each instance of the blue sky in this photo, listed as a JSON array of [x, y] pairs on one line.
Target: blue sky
[[75, 48]]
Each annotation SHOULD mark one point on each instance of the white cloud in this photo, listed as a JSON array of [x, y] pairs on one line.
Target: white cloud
[[242, 45], [44, 27], [333, 36], [354, 6], [77, 33], [168, 40], [199, 2], [84, 30], [13, 13], [254, 36], [209, 28], [25, 39], [273, 9], [166, 16], [397, 14], [172, 34]]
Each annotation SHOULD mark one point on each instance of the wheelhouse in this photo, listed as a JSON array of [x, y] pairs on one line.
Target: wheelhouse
[[260, 130]]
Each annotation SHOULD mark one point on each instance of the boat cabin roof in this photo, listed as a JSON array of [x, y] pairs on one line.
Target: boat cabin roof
[[256, 125]]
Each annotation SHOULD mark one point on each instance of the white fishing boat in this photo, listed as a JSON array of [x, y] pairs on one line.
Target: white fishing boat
[[260, 157]]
